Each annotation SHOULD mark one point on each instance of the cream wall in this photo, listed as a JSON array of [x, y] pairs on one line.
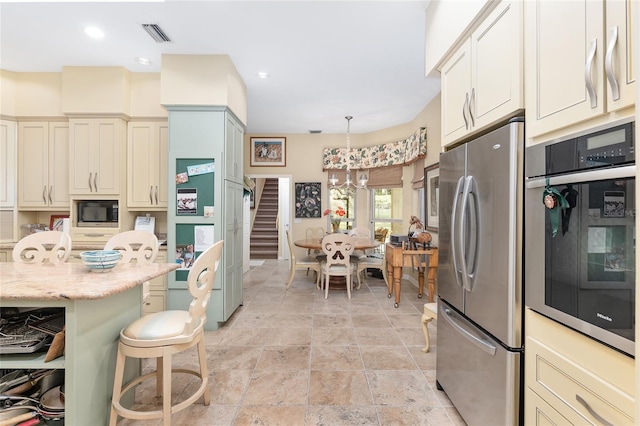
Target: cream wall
[[304, 163]]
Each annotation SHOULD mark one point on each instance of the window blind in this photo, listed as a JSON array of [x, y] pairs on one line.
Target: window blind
[[418, 174], [385, 177]]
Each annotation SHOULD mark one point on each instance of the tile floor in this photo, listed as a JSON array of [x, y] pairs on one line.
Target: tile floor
[[290, 357]]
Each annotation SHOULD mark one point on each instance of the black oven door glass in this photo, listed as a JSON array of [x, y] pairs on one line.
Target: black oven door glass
[[590, 263]]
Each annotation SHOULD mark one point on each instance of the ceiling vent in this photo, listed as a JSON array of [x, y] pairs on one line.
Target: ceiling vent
[[156, 33], [315, 132]]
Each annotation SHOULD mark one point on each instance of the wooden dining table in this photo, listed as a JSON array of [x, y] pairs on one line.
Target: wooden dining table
[[316, 244]]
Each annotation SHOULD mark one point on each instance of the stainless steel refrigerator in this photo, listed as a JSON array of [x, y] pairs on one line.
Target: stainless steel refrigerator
[[480, 294]]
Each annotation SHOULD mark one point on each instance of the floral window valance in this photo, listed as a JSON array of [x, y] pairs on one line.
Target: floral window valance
[[405, 151]]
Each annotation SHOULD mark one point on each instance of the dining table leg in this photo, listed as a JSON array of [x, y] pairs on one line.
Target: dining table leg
[[397, 283]]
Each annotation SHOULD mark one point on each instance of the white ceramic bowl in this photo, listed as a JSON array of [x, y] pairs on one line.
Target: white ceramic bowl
[[100, 260]]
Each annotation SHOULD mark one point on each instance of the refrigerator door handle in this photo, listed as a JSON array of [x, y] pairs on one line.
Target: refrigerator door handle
[[477, 338], [471, 251], [455, 250], [464, 250]]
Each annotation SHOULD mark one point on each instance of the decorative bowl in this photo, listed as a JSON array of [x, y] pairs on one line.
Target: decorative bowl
[[100, 260]]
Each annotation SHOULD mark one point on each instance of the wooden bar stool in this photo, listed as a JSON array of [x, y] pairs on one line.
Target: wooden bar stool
[[162, 334]]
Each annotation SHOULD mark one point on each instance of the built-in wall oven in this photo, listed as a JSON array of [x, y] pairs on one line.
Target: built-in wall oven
[[580, 233]]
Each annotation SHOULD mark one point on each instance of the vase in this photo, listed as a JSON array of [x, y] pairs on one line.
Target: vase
[[335, 226]]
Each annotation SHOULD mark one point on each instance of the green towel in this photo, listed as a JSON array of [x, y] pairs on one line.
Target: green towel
[[555, 202]]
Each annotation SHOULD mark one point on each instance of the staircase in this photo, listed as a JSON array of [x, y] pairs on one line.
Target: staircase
[[264, 234]]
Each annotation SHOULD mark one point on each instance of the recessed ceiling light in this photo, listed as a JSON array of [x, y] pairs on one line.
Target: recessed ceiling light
[[94, 32], [262, 74], [143, 61]]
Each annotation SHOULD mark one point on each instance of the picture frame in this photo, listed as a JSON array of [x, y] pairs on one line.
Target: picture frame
[[268, 152], [432, 194], [55, 223], [308, 200]]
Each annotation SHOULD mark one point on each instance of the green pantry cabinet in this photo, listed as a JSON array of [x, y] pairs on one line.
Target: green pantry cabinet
[[205, 182]]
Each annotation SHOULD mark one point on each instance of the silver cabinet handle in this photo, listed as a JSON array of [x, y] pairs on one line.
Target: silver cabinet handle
[[44, 194], [95, 181], [591, 411], [50, 190], [151, 194], [608, 64], [473, 95], [156, 194], [587, 72], [464, 111], [90, 189]]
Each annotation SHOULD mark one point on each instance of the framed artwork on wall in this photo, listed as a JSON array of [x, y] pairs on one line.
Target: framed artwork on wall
[[432, 193], [308, 200], [268, 152]]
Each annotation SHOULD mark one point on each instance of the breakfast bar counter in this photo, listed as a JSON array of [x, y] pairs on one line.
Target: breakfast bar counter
[[96, 307]]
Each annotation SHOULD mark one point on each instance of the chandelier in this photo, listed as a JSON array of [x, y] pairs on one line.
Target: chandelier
[[348, 182]]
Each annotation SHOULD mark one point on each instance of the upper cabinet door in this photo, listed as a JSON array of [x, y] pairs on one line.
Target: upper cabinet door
[[96, 151], [455, 82], [7, 163], [43, 166], [147, 150], [619, 61], [565, 50], [497, 57], [482, 82]]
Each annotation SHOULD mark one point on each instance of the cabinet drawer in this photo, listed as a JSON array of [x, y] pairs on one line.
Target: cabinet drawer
[[159, 283], [573, 391], [538, 413], [156, 302]]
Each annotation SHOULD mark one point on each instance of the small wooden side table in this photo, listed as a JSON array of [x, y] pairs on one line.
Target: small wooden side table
[[398, 257]]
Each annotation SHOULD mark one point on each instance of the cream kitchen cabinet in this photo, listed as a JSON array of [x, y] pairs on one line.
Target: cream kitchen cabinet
[[482, 82], [147, 164], [579, 62], [43, 165], [157, 299], [572, 379], [7, 164], [97, 154]]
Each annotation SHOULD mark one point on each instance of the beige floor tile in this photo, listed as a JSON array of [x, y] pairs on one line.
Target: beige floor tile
[[277, 388], [284, 358], [385, 336], [289, 336], [336, 358], [414, 415], [387, 358], [270, 415], [332, 336], [339, 388], [401, 388], [341, 415]]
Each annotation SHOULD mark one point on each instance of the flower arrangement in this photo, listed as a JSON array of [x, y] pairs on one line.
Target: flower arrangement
[[336, 217]]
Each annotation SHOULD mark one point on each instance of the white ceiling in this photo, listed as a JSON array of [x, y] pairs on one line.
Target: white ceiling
[[326, 59]]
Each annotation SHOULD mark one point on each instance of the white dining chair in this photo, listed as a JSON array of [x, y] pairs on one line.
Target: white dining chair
[[306, 262], [47, 246], [338, 249]]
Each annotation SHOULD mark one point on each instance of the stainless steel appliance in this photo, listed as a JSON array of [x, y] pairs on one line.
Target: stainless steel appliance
[[480, 315], [584, 276], [98, 213]]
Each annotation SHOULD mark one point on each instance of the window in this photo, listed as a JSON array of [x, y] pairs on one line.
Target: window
[[386, 210], [345, 198]]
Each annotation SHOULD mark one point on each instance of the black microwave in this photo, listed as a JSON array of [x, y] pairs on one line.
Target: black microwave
[[98, 213]]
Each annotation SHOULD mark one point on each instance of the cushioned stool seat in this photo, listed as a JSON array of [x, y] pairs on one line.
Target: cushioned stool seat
[[162, 334]]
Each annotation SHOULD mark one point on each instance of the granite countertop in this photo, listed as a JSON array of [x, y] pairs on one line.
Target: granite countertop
[[72, 281], [75, 246]]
